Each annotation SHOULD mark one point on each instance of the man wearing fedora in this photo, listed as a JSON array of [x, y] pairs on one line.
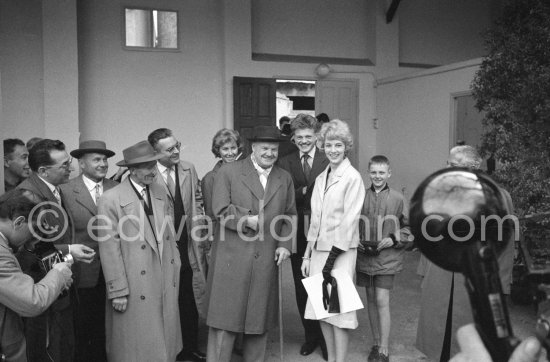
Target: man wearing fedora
[[81, 195], [253, 200], [180, 182], [140, 262]]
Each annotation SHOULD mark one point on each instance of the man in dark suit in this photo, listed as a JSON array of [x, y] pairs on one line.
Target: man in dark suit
[[51, 166], [80, 195], [180, 181], [304, 164]]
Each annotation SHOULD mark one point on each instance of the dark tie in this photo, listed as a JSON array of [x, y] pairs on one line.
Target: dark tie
[[306, 166]]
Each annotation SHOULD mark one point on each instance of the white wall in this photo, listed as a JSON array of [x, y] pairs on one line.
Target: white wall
[[415, 115], [314, 28], [126, 94]]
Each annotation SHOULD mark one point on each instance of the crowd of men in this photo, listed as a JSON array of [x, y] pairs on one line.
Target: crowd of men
[[140, 244]]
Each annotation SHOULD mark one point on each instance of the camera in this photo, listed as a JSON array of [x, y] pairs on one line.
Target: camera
[[48, 256]]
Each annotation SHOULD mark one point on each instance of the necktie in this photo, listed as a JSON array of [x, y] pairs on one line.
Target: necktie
[[170, 182], [97, 193], [263, 178], [144, 195], [306, 166], [57, 195]]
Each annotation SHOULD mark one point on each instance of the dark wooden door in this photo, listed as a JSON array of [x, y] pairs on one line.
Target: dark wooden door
[[254, 102]]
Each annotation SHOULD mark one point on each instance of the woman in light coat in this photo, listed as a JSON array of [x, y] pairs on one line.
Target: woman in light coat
[[333, 234]]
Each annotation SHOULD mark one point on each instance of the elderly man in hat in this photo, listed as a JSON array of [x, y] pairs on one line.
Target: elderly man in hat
[[81, 194], [254, 202], [141, 264]]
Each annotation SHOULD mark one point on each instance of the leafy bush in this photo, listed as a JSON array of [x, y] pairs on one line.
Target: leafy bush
[[512, 87]]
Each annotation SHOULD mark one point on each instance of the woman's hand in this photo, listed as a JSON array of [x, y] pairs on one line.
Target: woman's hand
[[305, 268]]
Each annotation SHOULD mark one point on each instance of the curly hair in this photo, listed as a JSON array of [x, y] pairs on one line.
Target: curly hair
[[223, 136], [335, 130], [304, 121]]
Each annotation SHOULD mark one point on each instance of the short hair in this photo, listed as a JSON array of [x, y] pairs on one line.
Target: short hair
[[15, 204], [157, 135], [470, 156], [335, 130], [223, 136], [284, 119], [39, 154], [10, 143], [304, 121], [322, 118], [32, 142], [380, 160]]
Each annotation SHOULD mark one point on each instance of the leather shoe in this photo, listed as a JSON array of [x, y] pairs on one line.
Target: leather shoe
[[308, 348], [193, 356]]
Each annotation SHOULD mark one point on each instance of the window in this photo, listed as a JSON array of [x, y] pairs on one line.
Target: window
[[151, 29]]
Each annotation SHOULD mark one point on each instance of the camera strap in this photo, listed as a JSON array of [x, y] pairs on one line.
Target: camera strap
[[446, 350]]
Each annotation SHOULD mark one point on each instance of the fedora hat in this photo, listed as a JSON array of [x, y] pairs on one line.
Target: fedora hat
[[141, 152], [92, 146], [266, 134]]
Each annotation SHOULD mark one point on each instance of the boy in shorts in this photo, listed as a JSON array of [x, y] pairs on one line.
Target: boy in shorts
[[384, 232]]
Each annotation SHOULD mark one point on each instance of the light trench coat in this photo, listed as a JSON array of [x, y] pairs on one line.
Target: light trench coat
[[145, 267]]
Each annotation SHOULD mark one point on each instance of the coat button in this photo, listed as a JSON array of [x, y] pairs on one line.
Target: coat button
[[142, 297], [143, 272], [143, 246], [257, 255], [172, 261]]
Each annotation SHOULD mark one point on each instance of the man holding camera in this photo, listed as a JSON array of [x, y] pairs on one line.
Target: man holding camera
[[19, 295]]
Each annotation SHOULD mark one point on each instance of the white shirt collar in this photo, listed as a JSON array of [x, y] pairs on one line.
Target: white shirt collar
[[138, 187], [311, 153], [50, 186], [260, 170], [90, 184]]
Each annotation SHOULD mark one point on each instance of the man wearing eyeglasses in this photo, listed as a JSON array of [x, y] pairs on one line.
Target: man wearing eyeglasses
[[180, 181], [51, 334]]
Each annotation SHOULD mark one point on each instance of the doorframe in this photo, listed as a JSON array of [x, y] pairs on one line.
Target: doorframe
[[453, 118]]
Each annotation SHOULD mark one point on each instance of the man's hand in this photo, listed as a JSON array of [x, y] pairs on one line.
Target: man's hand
[[281, 254], [252, 222], [81, 252], [65, 270], [385, 243], [120, 304], [473, 350]]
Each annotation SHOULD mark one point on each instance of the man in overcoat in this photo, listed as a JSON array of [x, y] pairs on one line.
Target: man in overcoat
[[81, 195], [304, 164], [141, 264], [254, 202], [180, 182]]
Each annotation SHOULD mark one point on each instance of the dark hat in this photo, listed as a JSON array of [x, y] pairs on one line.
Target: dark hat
[[141, 152], [266, 134], [92, 146]]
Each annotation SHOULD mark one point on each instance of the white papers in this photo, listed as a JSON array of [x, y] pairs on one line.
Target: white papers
[[347, 294]]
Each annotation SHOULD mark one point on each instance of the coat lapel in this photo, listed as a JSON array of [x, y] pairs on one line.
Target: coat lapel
[[273, 184], [320, 162], [183, 178], [251, 179], [337, 174], [158, 213], [44, 190], [83, 197], [131, 205]]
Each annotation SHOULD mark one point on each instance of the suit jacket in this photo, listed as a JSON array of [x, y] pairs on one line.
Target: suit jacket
[[198, 245], [242, 281], [79, 203], [21, 297], [293, 165], [144, 265], [335, 208], [39, 192]]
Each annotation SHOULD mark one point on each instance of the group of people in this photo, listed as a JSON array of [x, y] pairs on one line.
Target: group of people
[[155, 250]]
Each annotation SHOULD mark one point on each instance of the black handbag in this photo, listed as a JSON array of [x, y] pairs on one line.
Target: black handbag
[[369, 248]]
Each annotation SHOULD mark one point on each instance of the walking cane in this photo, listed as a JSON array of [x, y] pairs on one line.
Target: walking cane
[[281, 311]]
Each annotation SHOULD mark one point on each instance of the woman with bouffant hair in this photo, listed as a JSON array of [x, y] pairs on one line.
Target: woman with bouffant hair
[[333, 234], [228, 146]]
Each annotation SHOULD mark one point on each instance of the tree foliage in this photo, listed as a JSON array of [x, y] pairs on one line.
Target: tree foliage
[[512, 87]]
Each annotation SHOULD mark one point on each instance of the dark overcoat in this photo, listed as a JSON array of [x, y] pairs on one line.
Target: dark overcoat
[[242, 281]]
